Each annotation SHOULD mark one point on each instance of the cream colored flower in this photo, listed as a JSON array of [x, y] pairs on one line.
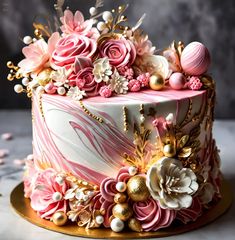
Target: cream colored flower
[[75, 93], [118, 83], [102, 70], [171, 184]]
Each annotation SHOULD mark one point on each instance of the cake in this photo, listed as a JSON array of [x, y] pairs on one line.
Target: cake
[[122, 136]]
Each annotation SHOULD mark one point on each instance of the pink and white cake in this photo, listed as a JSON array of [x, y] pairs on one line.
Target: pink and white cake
[[122, 136]]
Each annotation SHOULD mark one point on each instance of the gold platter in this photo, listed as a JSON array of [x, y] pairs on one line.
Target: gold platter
[[22, 206]]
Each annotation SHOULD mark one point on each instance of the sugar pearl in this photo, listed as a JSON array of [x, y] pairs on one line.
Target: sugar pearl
[[121, 187], [57, 196], [117, 225], [101, 26], [25, 81], [132, 170], [18, 88], [40, 89], [29, 157], [177, 81], [59, 180], [170, 118], [107, 16], [27, 40], [99, 219], [142, 118], [50, 88], [61, 91], [93, 11]]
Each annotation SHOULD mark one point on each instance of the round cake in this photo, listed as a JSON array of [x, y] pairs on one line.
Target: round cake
[[122, 137]]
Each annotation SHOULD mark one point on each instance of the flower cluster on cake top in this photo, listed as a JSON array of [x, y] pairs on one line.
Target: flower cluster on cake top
[[90, 57]]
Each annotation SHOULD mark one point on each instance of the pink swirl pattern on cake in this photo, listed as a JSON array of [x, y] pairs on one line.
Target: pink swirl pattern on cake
[[152, 216], [195, 59]]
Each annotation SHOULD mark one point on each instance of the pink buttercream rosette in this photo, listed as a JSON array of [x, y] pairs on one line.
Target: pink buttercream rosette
[[42, 194]]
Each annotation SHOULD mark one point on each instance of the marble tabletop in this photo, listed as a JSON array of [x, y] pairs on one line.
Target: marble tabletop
[[13, 227]]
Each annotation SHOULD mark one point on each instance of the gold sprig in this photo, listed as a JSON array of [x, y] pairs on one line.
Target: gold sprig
[[40, 105], [125, 118], [99, 119], [14, 71]]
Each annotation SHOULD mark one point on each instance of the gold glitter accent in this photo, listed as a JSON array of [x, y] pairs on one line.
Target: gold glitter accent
[[40, 105], [99, 119], [125, 118]]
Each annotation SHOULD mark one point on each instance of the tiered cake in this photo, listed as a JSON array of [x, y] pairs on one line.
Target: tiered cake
[[122, 137]]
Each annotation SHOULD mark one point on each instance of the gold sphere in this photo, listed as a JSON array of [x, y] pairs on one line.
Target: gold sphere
[[137, 189], [119, 198], [122, 211], [169, 150], [10, 64], [135, 225], [59, 218], [156, 82], [44, 77]]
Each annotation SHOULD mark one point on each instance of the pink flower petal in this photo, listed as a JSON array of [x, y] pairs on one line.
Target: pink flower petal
[[7, 136]]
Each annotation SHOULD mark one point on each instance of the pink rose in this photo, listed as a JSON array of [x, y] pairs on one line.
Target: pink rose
[[76, 24], [37, 55], [47, 197], [120, 52], [83, 77], [70, 47], [151, 216]]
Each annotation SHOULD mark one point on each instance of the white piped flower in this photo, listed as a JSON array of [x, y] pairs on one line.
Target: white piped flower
[[102, 70], [171, 184], [118, 83], [76, 94]]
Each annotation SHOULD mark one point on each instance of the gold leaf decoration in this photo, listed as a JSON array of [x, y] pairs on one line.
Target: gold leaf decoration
[[183, 140], [185, 152]]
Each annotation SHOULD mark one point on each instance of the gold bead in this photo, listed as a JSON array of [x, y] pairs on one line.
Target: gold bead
[[18, 75], [59, 218], [156, 82], [169, 150], [135, 225], [119, 198], [137, 189], [10, 77], [44, 77], [122, 211], [10, 64]]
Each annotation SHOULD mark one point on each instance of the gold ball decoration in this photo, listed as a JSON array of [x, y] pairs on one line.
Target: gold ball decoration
[[122, 211], [135, 225], [156, 82], [44, 77], [119, 198], [59, 218], [137, 189], [169, 150]]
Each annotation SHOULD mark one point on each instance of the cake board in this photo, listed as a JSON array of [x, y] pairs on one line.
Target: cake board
[[22, 207]]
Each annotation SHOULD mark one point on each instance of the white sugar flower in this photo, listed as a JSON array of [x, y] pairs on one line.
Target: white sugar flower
[[60, 75], [76, 93], [171, 184], [118, 83], [102, 70]]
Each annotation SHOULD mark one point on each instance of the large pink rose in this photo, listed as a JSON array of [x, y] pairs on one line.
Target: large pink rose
[[120, 52], [151, 216], [70, 47], [43, 195], [83, 77]]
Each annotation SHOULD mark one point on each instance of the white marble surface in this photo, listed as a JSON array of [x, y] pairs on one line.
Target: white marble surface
[[13, 227]]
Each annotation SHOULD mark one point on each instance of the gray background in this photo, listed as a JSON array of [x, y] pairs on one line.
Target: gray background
[[209, 21]]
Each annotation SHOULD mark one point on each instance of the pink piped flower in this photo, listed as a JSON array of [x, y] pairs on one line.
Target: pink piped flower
[[144, 79], [194, 83], [48, 196], [134, 85], [37, 54], [76, 24], [127, 72], [105, 91]]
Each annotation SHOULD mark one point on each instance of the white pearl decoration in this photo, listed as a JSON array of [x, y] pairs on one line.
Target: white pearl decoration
[[30, 157], [99, 219], [117, 225], [107, 16], [121, 187], [59, 180], [18, 88], [93, 11], [170, 118], [25, 81], [61, 90], [101, 26], [27, 40], [57, 196], [142, 118], [132, 170], [40, 89]]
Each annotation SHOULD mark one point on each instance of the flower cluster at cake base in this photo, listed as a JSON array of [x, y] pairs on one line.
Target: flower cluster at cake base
[[107, 57]]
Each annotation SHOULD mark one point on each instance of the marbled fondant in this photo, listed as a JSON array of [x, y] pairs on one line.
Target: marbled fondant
[[68, 139]]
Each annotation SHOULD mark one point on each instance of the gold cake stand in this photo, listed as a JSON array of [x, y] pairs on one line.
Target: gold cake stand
[[22, 206]]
